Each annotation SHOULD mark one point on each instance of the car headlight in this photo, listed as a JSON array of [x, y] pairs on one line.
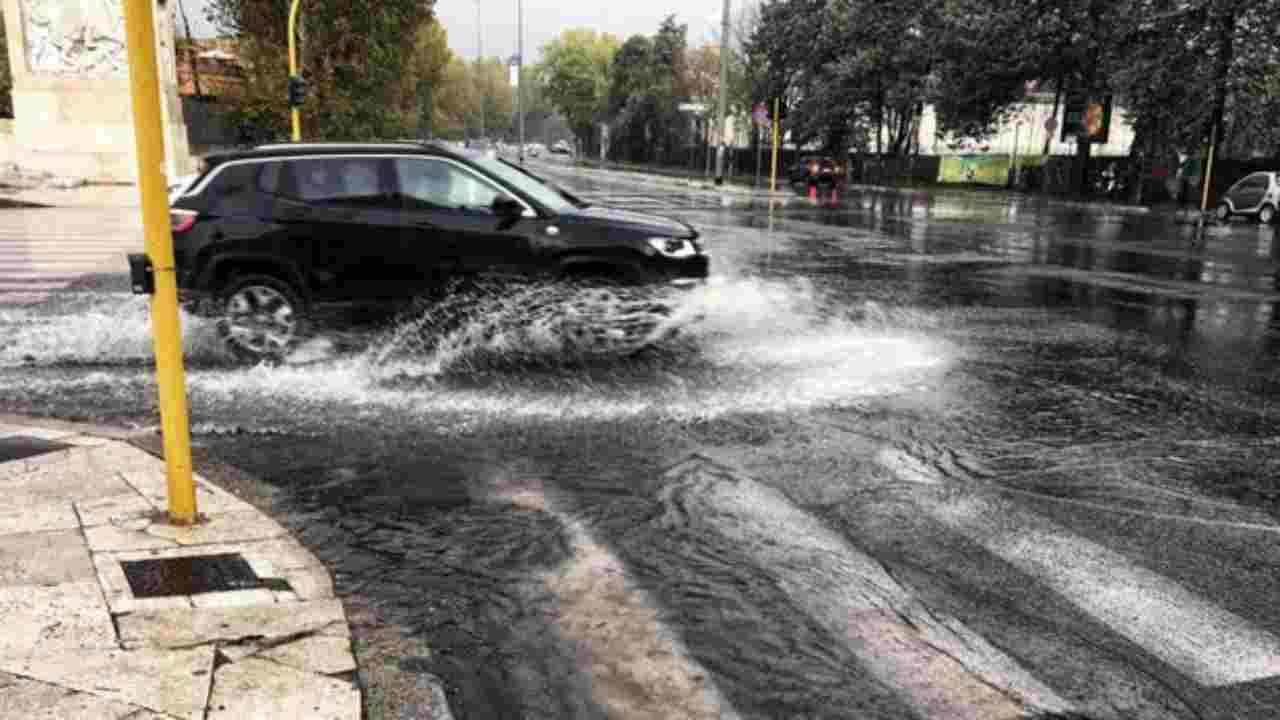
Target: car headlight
[[673, 247]]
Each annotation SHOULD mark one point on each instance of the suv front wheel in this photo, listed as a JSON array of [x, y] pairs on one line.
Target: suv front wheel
[[261, 318]]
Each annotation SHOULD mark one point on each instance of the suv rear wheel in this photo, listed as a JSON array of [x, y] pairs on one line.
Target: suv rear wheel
[[261, 317]]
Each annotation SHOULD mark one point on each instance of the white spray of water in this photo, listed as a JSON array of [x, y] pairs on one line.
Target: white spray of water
[[114, 329], [744, 345]]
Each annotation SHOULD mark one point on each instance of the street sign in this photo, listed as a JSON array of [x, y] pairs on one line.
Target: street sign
[[697, 108], [1051, 124]]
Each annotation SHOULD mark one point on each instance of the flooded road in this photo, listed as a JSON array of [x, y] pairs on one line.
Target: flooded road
[[943, 455]]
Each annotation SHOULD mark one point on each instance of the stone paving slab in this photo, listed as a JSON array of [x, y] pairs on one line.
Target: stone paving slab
[[257, 689], [44, 558], [70, 616], [34, 700], [174, 682], [79, 644], [184, 628]]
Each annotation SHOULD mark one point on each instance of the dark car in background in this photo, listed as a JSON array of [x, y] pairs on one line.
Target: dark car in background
[[264, 236], [818, 170]]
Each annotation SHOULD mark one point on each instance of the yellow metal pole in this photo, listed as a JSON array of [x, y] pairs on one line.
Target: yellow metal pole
[[145, 88], [1208, 169], [773, 173], [293, 66]]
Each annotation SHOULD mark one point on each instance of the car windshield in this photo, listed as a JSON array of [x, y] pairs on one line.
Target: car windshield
[[534, 187]]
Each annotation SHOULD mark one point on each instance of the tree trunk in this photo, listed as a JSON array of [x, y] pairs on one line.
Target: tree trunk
[[1081, 180], [1057, 101]]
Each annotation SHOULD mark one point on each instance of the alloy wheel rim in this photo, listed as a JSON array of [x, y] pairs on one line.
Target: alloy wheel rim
[[260, 319]]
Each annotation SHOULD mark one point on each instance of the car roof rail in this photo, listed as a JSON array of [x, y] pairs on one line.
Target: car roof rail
[[378, 143]]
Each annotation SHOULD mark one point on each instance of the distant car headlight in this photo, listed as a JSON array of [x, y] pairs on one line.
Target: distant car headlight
[[673, 247]]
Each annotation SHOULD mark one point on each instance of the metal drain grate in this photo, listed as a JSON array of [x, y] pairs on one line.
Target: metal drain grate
[[17, 447], [168, 577]]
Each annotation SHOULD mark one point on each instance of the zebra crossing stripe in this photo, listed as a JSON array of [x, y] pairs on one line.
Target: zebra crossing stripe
[[942, 669], [30, 286], [638, 666], [1202, 640]]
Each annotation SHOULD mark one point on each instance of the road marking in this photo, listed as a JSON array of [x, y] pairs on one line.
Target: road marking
[[944, 670], [1205, 642], [31, 286], [638, 666]]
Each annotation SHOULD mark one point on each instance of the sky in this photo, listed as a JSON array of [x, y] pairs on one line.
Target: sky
[[544, 20]]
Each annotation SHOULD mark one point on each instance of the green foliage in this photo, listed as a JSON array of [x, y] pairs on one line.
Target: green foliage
[[855, 72], [354, 57], [574, 77]]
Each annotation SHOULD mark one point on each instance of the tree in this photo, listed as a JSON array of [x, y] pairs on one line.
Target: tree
[[575, 71], [630, 103], [423, 76], [353, 56], [6, 77]]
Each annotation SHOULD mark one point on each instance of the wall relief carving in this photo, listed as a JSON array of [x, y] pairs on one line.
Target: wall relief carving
[[82, 37]]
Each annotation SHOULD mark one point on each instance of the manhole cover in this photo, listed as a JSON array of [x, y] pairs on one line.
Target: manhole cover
[[194, 575], [16, 447]]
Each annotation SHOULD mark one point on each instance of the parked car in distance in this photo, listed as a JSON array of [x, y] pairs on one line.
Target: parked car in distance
[[1255, 195], [817, 170], [561, 148], [264, 237]]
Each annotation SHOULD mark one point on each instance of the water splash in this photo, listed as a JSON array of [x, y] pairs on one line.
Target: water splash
[[112, 329], [541, 352]]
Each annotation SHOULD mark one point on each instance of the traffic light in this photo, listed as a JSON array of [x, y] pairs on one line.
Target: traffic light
[[297, 91]]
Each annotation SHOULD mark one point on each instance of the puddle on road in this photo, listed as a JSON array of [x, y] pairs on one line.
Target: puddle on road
[[545, 352]]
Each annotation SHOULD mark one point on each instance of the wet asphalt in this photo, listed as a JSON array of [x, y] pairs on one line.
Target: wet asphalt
[[942, 382]]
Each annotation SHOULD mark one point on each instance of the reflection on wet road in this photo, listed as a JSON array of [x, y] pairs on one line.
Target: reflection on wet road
[[948, 455]]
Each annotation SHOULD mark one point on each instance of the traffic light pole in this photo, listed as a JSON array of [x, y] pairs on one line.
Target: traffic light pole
[[144, 86], [520, 72], [293, 70], [723, 109]]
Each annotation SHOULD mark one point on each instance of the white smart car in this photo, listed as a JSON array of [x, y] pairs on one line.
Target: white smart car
[[1256, 195]]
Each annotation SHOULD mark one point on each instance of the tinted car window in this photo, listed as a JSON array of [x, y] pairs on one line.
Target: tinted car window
[[234, 189], [437, 184], [337, 181]]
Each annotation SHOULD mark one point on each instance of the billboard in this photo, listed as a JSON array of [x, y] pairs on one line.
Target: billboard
[[1086, 115]]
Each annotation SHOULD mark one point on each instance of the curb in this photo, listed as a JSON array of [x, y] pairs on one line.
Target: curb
[[269, 640]]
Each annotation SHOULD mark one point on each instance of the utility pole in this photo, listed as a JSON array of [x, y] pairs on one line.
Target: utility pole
[[480, 63], [520, 72], [724, 92], [144, 91]]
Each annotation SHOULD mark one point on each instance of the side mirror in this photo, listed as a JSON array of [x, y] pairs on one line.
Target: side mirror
[[507, 207]]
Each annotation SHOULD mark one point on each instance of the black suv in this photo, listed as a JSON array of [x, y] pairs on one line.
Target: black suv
[[264, 236]]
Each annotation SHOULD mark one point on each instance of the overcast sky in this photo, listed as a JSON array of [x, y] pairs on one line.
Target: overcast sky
[[544, 19]]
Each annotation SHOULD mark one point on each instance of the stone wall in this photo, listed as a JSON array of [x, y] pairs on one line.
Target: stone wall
[[72, 103]]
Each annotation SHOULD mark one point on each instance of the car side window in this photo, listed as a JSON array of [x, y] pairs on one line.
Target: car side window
[[428, 184], [337, 181], [234, 189]]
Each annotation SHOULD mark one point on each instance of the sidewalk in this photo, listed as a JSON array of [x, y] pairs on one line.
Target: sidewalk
[[110, 612], [83, 196]]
